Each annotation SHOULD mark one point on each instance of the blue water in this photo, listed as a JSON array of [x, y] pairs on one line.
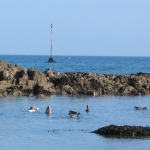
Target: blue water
[[93, 64], [20, 129]]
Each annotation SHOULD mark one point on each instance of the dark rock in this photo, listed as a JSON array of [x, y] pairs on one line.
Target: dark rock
[[43, 88], [18, 79], [36, 75], [126, 130]]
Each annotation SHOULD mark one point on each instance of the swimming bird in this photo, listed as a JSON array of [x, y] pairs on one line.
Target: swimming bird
[[72, 112], [33, 108], [140, 108], [48, 110], [74, 115], [88, 109]]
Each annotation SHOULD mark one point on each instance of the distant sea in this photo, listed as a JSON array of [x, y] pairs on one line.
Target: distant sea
[[91, 64], [20, 129]]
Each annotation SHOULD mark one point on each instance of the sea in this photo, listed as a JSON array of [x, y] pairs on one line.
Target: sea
[[22, 130]]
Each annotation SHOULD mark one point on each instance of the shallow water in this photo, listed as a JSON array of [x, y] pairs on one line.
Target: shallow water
[[20, 129]]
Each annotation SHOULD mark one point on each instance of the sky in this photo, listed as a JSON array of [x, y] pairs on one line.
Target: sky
[[80, 27]]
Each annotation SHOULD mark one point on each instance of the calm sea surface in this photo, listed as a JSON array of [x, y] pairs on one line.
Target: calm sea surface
[[93, 64], [20, 129]]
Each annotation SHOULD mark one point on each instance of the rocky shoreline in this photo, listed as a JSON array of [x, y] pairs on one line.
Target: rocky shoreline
[[16, 80]]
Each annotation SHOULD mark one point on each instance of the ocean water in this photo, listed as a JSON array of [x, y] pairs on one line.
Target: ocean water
[[92, 64], [20, 129]]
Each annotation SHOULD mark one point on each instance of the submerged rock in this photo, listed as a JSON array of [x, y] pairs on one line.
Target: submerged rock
[[126, 130]]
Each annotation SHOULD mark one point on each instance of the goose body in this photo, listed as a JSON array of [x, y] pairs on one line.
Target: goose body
[[140, 108], [33, 108], [48, 110], [72, 112], [74, 115], [87, 109]]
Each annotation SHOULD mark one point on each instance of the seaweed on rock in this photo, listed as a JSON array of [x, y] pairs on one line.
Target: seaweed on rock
[[126, 130]]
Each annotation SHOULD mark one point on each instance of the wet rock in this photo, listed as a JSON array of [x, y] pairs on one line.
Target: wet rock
[[17, 92], [22, 81], [41, 96], [30, 84], [43, 88], [3, 64], [126, 130], [4, 93], [36, 75], [63, 92], [16, 78], [49, 72]]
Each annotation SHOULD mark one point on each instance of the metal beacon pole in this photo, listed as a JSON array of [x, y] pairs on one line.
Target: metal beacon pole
[[51, 59]]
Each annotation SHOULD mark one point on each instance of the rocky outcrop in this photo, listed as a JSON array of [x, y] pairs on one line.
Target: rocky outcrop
[[16, 80], [123, 131]]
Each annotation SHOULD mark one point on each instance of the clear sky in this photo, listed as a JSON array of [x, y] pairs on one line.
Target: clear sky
[[80, 27]]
